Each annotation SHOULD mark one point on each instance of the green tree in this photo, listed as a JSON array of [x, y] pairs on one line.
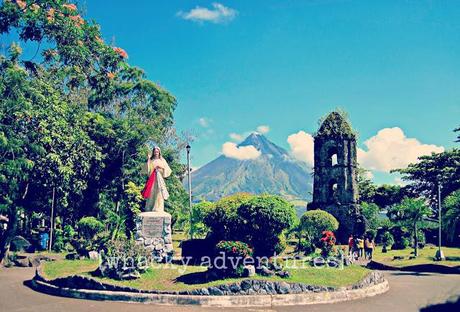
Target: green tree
[[76, 119], [366, 187], [370, 211], [431, 170], [383, 195], [411, 213], [451, 216]]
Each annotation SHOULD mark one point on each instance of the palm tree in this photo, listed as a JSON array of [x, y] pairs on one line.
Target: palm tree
[[410, 212]]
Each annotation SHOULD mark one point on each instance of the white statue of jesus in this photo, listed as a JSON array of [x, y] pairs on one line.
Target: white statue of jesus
[[155, 191]]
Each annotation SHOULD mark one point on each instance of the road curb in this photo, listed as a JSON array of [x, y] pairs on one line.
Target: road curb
[[214, 301]]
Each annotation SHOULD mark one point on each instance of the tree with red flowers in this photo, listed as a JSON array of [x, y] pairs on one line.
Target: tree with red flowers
[[74, 118]]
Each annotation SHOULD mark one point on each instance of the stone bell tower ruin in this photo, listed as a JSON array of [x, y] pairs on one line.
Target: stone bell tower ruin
[[335, 188]]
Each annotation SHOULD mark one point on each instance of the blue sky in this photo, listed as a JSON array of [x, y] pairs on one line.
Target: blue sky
[[284, 64]]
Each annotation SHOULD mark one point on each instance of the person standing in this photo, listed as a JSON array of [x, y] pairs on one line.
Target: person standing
[[351, 245], [367, 248], [360, 247], [371, 248]]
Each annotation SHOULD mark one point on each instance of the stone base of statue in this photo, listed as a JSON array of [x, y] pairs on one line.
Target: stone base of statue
[[153, 231]]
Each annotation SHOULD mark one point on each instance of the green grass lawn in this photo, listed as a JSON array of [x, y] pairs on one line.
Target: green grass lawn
[[175, 277], [426, 256], [61, 268]]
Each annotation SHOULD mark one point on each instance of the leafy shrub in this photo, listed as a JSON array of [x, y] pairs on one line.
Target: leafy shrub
[[387, 240], [69, 233], [58, 243], [401, 243], [234, 249], [223, 219], [90, 235], [420, 238], [123, 259], [256, 220], [234, 252], [315, 222], [88, 227], [133, 202], [327, 243], [199, 213], [63, 238], [401, 238], [306, 247], [281, 244]]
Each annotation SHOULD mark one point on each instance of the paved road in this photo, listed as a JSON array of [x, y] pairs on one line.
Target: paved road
[[408, 292]]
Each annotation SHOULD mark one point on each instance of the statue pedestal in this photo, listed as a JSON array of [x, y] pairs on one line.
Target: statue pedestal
[[153, 231]]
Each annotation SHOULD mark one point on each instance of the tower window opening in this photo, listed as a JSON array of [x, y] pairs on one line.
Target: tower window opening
[[333, 190], [331, 156], [334, 160]]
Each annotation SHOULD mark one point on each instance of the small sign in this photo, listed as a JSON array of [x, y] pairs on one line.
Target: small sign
[[152, 227]]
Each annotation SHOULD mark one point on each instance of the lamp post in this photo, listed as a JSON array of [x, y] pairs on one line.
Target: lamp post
[[189, 178], [50, 243], [439, 254]]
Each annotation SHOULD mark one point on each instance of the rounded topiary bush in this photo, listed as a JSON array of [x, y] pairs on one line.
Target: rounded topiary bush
[[88, 227], [258, 220], [90, 236], [315, 222]]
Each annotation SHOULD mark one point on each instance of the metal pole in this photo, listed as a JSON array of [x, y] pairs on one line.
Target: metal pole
[[439, 215], [52, 222], [439, 253], [189, 191]]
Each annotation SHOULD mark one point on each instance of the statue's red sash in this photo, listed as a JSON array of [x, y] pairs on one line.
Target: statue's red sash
[[149, 185]]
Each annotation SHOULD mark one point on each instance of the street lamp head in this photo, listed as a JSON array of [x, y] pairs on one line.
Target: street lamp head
[[188, 147]]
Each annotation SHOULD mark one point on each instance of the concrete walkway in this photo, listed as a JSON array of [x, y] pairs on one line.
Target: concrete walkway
[[408, 292]]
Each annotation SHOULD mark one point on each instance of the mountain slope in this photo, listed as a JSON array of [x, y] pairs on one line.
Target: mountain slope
[[274, 172]]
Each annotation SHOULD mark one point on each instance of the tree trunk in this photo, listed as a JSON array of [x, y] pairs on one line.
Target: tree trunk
[[8, 235], [415, 240]]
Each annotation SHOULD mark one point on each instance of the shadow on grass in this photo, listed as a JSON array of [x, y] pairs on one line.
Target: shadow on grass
[[196, 278]]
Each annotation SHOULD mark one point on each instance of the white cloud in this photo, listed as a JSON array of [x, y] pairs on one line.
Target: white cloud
[[369, 175], [217, 14], [391, 149], [236, 136], [231, 150], [302, 146], [263, 129], [204, 122], [399, 181]]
